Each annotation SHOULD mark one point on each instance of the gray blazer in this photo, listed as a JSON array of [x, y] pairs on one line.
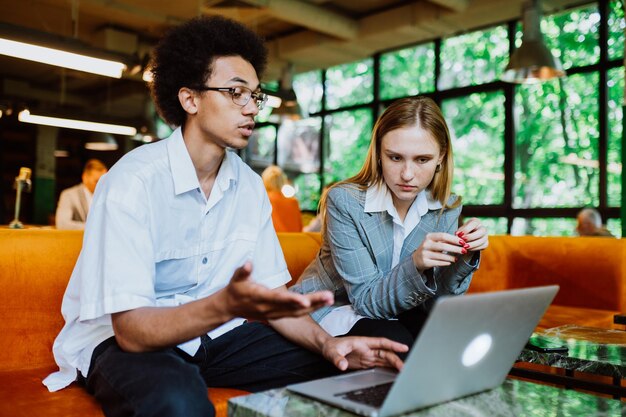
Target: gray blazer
[[354, 261], [72, 208]]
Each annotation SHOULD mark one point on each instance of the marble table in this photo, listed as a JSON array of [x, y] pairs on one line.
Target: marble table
[[513, 398], [590, 350]]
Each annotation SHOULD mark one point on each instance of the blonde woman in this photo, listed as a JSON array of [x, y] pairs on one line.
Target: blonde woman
[[286, 214], [391, 241]]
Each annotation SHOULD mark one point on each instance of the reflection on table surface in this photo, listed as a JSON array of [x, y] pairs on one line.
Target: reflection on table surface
[[513, 398], [591, 350]]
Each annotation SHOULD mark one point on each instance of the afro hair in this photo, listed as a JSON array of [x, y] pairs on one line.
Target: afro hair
[[185, 56]]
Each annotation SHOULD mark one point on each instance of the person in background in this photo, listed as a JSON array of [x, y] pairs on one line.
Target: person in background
[[286, 214], [74, 202], [391, 239], [179, 250], [589, 223]]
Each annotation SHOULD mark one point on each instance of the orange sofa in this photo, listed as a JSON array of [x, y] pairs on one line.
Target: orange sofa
[[35, 266]]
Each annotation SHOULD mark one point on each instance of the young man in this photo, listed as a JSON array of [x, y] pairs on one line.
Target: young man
[[74, 202], [154, 303]]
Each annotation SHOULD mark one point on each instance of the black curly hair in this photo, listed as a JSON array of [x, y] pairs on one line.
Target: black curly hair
[[185, 56]]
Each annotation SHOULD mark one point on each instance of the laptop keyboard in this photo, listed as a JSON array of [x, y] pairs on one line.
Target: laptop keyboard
[[372, 396]]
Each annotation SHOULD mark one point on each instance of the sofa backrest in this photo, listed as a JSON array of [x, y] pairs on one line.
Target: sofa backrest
[[35, 267], [591, 271]]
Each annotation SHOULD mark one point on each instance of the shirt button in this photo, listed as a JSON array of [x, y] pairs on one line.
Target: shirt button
[[204, 260]]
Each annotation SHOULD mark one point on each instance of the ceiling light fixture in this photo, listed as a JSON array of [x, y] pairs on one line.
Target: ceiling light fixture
[[62, 52], [532, 62], [26, 117], [287, 101], [99, 141]]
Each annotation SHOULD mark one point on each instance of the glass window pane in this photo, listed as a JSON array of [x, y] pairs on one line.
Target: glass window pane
[[556, 143], [494, 225], [615, 81], [260, 150], [298, 144], [544, 227], [349, 84], [473, 58], [264, 114], [407, 72], [347, 139], [476, 124], [308, 88], [616, 29], [615, 227], [572, 36], [308, 190]]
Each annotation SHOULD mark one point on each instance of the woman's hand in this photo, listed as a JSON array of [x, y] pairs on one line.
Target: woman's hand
[[474, 234], [438, 249]]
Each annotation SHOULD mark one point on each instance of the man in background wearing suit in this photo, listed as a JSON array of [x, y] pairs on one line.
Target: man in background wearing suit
[[75, 201]]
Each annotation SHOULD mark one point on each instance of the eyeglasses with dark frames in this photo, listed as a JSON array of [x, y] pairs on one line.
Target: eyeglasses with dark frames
[[240, 95]]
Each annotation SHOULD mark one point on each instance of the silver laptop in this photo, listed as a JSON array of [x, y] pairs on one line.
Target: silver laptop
[[467, 345]]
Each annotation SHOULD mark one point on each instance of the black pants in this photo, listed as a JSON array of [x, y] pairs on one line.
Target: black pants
[[403, 330], [251, 357]]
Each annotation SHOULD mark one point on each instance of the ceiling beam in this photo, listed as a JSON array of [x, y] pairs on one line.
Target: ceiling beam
[[456, 5], [310, 16], [142, 12]]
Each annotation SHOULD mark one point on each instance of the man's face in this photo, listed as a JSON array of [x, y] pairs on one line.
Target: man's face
[[91, 178], [218, 118]]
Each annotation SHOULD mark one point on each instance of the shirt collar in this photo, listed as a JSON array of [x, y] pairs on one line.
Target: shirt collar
[[378, 198], [184, 172]]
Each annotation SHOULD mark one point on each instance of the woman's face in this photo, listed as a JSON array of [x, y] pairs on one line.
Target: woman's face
[[409, 157]]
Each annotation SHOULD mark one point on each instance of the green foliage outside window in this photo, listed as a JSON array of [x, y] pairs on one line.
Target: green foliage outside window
[[494, 225], [556, 143], [260, 149], [309, 89], [476, 124], [347, 139], [615, 82], [473, 58], [350, 84], [307, 190], [616, 29], [544, 227], [407, 72], [556, 123]]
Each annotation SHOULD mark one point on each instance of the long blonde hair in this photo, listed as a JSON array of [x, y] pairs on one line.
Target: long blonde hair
[[400, 114]]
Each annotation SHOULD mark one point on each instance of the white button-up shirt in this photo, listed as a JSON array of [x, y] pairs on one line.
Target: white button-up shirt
[[378, 198], [153, 239]]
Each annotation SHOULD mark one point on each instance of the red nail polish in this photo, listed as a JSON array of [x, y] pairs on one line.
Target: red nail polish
[[463, 251], [466, 246], [460, 234], [462, 242]]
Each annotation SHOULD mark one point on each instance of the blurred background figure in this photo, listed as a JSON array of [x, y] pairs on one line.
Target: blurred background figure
[[75, 201], [286, 214], [590, 223]]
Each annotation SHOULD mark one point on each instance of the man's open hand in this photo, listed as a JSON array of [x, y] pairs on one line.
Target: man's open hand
[[246, 298]]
